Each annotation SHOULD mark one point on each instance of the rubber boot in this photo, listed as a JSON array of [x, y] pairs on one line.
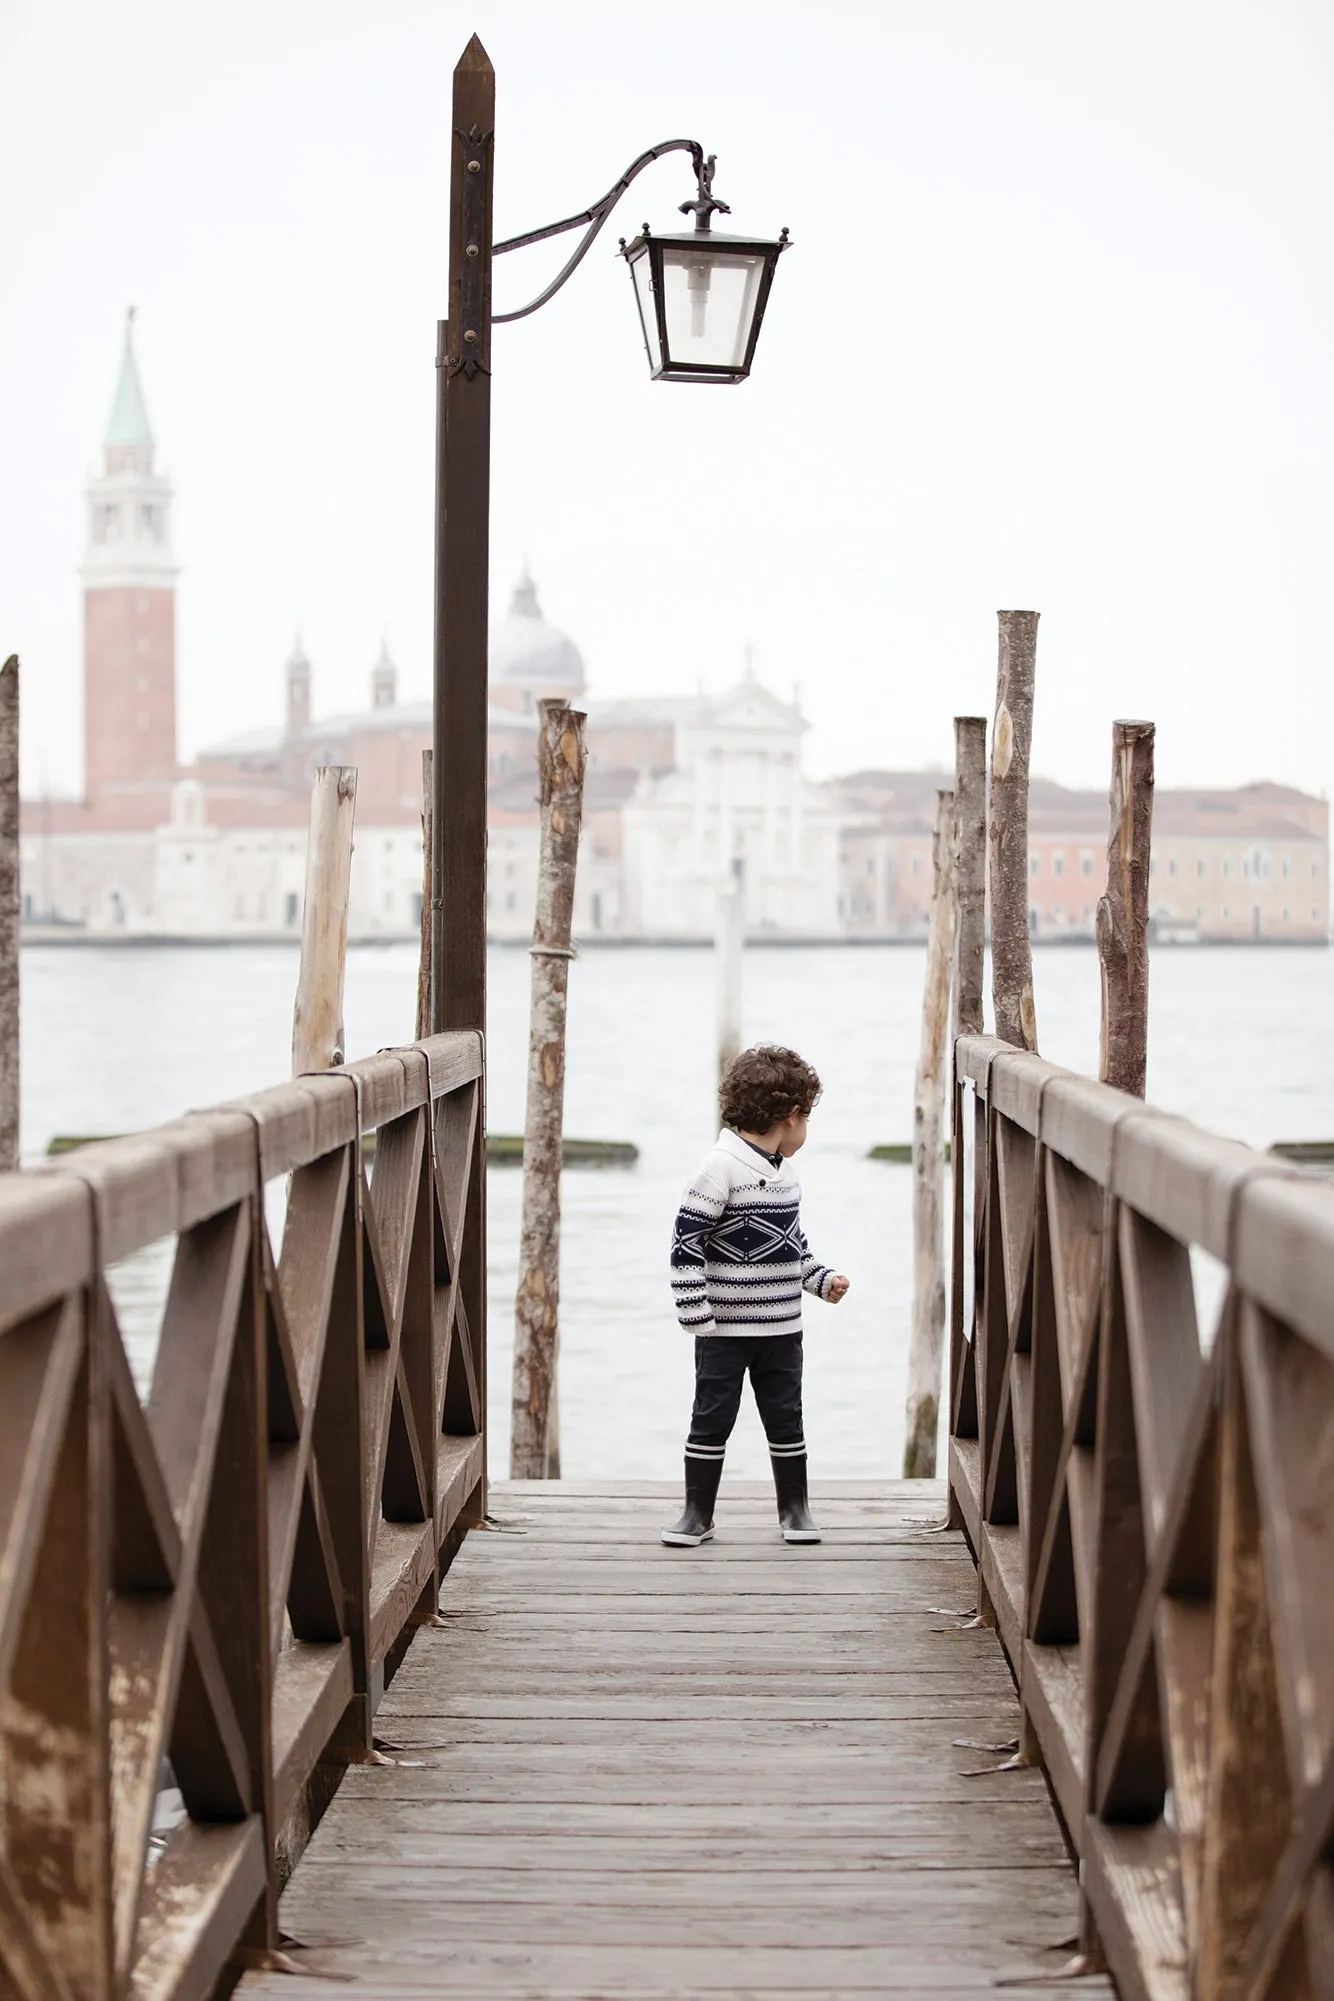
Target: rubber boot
[[696, 1523], [794, 1516]]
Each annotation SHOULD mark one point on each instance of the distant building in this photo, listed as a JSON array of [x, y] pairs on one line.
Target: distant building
[[678, 789], [1248, 863]]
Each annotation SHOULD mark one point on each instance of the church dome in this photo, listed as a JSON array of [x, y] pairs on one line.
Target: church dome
[[528, 653]]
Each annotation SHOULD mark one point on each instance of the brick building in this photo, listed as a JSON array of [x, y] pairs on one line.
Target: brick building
[[1251, 863], [678, 787]]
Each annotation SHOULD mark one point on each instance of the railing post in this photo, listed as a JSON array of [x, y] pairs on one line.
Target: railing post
[[55, 1778], [234, 1565]]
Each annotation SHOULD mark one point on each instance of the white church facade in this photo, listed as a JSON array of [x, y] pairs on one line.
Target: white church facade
[[678, 787], [681, 791]]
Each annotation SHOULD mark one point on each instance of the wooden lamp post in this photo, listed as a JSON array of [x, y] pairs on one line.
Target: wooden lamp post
[[701, 299]]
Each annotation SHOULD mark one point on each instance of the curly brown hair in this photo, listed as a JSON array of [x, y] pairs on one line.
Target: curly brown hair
[[764, 1085]]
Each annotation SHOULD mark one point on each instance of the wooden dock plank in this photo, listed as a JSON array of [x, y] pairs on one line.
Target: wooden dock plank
[[626, 1771]]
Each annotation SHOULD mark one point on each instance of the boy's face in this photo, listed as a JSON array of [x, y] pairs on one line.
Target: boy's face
[[792, 1134]]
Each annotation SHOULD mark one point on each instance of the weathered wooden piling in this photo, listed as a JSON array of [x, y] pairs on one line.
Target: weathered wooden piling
[[729, 952], [9, 913], [1012, 736], [424, 962], [1123, 912], [928, 1322], [970, 946], [560, 753], [317, 1025], [970, 871]]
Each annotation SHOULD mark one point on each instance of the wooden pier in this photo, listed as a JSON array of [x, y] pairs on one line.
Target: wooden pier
[[746, 1769], [615, 1769]]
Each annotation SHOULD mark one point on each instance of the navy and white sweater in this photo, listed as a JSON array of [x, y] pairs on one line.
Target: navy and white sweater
[[740, 1260]]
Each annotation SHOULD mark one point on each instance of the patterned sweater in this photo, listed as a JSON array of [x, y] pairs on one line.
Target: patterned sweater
[[740, 1260]]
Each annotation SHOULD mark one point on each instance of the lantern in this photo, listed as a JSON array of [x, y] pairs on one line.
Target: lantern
[[701, 297]]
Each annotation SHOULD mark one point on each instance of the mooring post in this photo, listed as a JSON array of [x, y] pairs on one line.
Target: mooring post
[[9, 913], [1011, 741], [970, 891], [560, 757], [317, 1024], [928, 1161], [970, 944], [1123, 912], [729, 950], [424, 959]]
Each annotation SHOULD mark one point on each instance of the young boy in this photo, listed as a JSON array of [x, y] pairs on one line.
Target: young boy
[[740, 1263]]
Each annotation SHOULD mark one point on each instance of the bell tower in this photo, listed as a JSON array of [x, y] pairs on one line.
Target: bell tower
[[129, 602]]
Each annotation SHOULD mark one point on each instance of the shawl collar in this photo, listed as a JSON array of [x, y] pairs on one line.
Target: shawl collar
[[740, 1149]]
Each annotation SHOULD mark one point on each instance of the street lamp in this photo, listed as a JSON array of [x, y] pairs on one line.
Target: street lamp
[[701, 300], [701, 297]]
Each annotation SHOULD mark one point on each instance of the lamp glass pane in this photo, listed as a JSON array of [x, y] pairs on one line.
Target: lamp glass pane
[[710, 304], [642, 271]]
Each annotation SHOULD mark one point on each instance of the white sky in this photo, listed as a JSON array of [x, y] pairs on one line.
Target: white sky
[[1057, 331]]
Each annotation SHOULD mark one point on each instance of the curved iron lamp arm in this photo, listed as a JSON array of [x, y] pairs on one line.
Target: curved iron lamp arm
[[597, 216]]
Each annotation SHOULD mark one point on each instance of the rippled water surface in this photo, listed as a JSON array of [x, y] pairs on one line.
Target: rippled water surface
[[116, 1039]]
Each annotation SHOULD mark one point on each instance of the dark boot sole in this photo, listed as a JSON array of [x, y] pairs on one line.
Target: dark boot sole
[[675, 1540]]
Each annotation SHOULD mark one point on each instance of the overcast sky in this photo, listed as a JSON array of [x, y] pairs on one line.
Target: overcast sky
[[1057, 331]]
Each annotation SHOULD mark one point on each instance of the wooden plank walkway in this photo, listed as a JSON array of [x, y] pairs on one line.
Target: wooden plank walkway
[[633, 1771]]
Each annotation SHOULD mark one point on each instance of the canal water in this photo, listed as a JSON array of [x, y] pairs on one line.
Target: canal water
[[116, 1039]]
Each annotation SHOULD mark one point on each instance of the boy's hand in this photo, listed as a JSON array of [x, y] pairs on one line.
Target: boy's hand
[[838, 1285]]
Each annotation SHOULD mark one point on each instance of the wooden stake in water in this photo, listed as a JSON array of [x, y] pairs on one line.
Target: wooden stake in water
[[560, 754], [1123, 912], [730, 946], [970, 951], [9, 913], [424, 961], [928, 1323], [1011, 953], [317, 1026], [970, 871]]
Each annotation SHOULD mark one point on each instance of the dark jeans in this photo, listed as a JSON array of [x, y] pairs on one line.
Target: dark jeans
[[721, 1362]]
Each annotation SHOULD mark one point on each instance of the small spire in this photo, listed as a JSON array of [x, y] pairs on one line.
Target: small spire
[[384, 680], [128, 423], [297, 657], [524, 602]]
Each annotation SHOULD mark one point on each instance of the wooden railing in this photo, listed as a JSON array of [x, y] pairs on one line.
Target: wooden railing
[[1151, 1504], [225, 1574]]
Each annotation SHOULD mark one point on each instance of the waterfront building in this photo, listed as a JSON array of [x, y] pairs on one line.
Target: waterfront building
[[1247, 863], [679, 790]]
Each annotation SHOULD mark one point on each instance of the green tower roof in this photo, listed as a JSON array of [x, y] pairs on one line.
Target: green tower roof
[[128, 422]]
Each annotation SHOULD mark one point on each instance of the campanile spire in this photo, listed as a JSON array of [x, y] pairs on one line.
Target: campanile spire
[[129, 577], [128, 444]]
